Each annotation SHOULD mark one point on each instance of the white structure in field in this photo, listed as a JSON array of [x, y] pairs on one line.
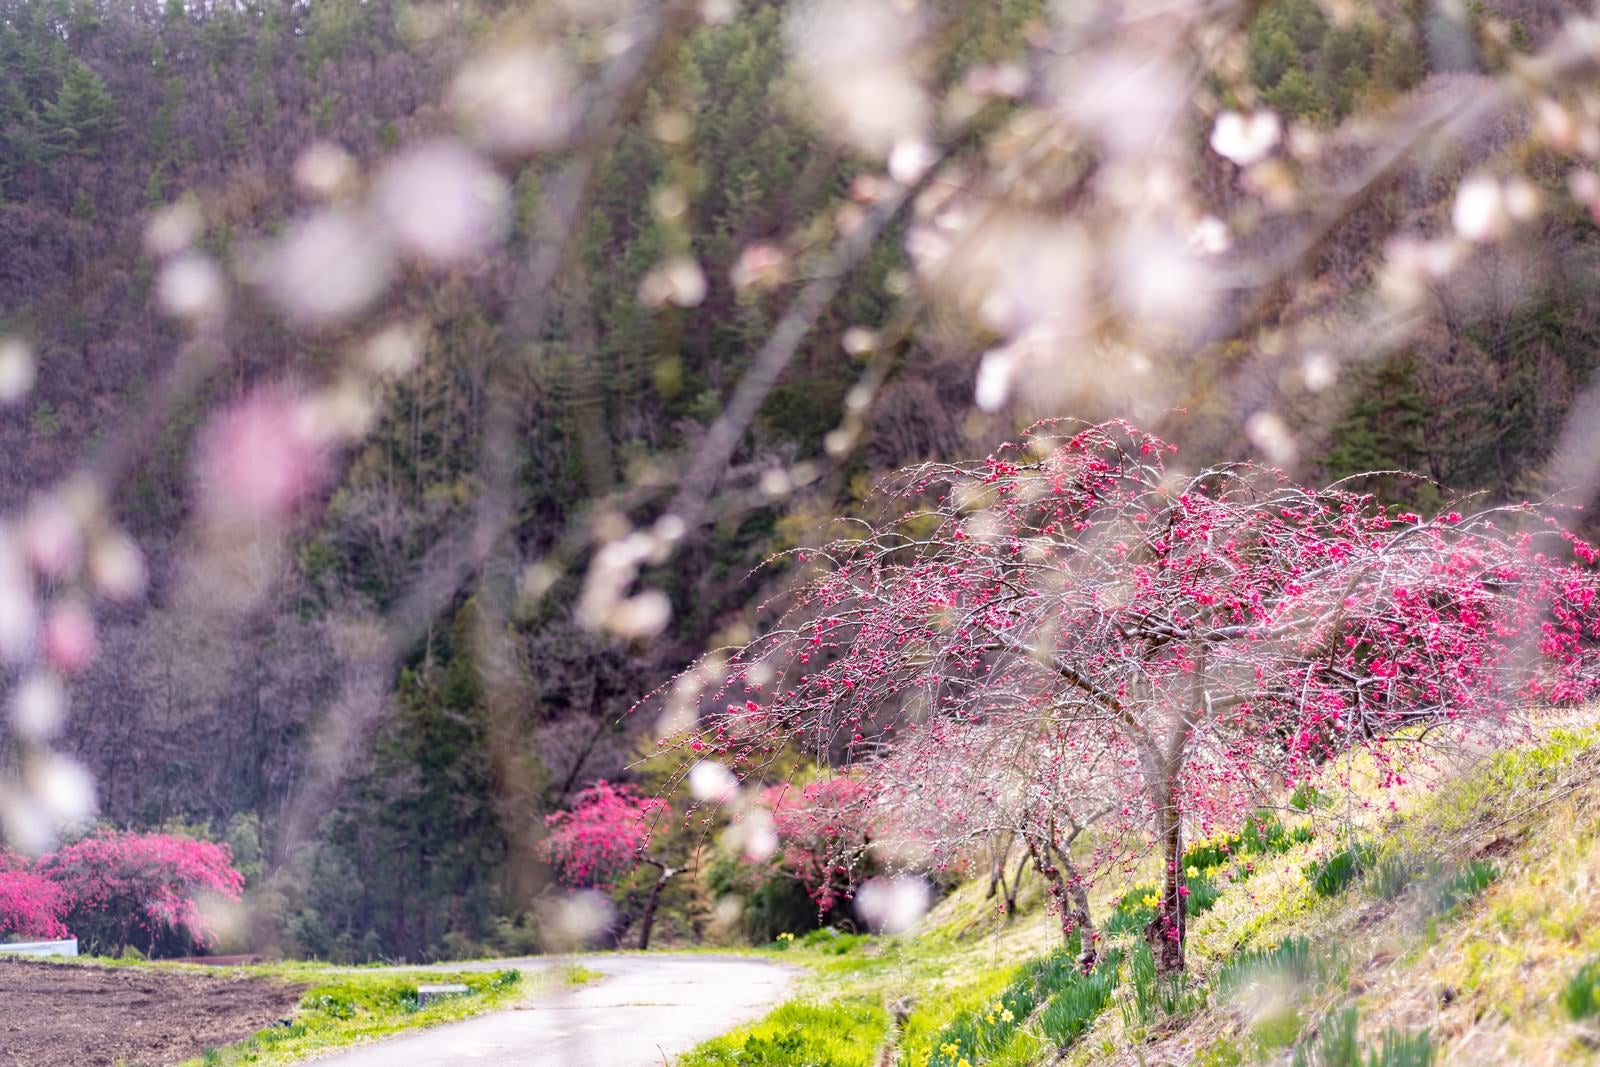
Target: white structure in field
[[69, 947]]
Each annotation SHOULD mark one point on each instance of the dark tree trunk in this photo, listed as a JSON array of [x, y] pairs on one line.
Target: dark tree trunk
[[1016, 887], [648, 919], [1066, 888], [1167, 931]]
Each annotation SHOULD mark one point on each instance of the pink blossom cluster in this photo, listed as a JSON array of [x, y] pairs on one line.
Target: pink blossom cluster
[[601, 836], [31, 905]]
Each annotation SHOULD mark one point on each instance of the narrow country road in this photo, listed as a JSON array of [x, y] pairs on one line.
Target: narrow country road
[[643, 1013]]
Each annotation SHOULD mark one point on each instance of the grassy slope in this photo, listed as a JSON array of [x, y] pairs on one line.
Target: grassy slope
[[1423, 950]]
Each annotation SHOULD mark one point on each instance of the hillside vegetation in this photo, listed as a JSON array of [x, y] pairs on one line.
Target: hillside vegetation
[[1464, 934]]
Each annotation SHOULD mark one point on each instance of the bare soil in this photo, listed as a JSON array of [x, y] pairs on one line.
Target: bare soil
[[62, 1015]]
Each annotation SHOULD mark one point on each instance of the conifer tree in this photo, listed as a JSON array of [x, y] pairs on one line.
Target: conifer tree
[[84, 113]]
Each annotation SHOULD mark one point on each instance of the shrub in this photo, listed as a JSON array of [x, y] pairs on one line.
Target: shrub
[[600, 837], [31, 906], [118, 885]]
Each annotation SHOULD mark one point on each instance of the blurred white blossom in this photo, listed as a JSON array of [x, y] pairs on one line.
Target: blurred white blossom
[[514, 99], [892, 905], [38, 706], [16, 369], [1245, 139], [855, 59], [191, 287], [679, 281], [442, 202], [329, 267], [711, 781], [325, 171]]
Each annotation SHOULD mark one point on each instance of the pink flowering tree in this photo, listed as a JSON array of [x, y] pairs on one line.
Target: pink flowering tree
[[822, 830], [1015, 783], [602, 837], [31, 906], [1203, 634], [119, 887]]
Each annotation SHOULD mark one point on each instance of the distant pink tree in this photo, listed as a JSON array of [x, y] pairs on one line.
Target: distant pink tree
[[603, 836], [823, 830], [1207, 635], [31, 905], [119, 885]]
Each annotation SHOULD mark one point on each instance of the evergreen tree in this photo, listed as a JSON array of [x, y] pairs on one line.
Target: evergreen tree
[[84, 113]]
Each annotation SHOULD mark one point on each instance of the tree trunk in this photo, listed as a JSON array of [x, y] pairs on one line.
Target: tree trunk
[[1016, 887], [648, 919], [1168, 929], [1067, 889]]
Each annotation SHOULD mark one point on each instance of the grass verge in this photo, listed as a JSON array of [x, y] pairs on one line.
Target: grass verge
[[345, 1007]]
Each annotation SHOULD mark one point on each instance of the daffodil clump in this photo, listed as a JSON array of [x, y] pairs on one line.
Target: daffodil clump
[[977, 1034]]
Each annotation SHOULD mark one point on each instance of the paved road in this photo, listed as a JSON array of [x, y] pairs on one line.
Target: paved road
[[645, 1011]]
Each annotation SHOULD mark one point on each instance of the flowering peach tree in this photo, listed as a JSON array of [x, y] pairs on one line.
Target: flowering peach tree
[[1194, 636], [31, 905], [118, 886], [822, 833], [603, 835]]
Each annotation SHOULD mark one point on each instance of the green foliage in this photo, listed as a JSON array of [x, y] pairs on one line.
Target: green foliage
[[924, 1029], [1389, 877], [979, 1033], [839, 1033], [1290, 960], [1335, 1044], [1580, 996], [1077, 999], [1157, 997], [831, 942], [84, 113], [1464, 884], [1303, 65], [1331, 876], [1137, 907]]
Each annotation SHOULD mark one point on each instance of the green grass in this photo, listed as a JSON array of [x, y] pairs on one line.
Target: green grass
[[345, 1007], [926, 1026], [839, 1033], [1291, 960]]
